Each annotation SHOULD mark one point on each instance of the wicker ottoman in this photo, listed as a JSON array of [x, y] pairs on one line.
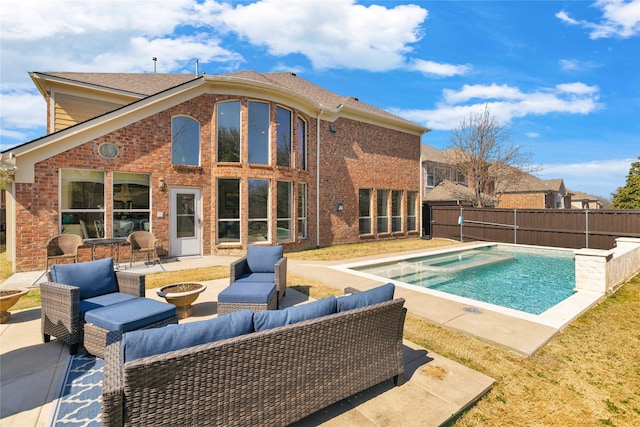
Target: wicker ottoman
[[106, 325], [256, 296]]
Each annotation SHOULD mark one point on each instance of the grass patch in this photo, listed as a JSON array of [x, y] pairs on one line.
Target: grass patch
[[5, 267], [356, 250], [157, 280]]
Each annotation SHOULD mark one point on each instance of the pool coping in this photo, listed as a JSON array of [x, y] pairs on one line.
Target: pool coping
[[556, 317]]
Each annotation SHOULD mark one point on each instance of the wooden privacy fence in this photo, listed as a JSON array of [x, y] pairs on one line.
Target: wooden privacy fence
[[567, 228]]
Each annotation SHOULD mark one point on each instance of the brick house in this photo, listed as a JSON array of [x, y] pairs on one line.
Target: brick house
[[535, 193], [210, 164]]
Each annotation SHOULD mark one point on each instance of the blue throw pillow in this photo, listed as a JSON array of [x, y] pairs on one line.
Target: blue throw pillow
[[263, 259], [148, 342], [94, 278], [269, 319], [362, 299]]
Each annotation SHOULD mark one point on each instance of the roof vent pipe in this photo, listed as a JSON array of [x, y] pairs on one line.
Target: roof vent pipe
[[155, 60], [197, 70]]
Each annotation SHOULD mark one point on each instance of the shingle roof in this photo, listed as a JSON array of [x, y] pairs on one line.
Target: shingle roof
[[432, 154], [447, 190], [532, 184], [143, 84], [149, 84]]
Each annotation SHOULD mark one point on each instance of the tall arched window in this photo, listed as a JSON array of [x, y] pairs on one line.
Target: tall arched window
[[185, 141]]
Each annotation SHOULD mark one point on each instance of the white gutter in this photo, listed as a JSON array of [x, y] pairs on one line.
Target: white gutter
[[421, 222], [318, 176]]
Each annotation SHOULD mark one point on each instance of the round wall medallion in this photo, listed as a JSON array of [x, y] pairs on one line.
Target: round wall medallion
[[108, 150]]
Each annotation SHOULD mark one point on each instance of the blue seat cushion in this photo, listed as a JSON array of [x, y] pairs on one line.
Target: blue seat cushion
[[268, 319], [130, 315], [103, 301], [263, 259], [257, 277], [249, 292], [361, 299], [93, 278], [148, 342]]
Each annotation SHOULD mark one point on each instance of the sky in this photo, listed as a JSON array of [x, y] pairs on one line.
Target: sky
[[562, 76]]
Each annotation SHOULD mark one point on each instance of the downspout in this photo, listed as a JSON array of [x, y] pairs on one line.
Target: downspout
[[318, 176], [422, 230]]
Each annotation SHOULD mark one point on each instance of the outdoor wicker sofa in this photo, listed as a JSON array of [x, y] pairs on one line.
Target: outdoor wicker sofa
[[61, 315], [272, 377]]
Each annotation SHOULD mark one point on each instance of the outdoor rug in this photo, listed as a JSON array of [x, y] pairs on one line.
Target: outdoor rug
[[80, 398]]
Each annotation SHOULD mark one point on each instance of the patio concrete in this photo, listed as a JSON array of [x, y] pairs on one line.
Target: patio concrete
[[31, 372]]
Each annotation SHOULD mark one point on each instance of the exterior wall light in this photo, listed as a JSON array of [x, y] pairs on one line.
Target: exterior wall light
[[339, 207], [163, 185], [333, 128]]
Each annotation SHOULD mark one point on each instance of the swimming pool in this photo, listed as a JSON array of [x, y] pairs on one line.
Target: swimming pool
[[532, 281]]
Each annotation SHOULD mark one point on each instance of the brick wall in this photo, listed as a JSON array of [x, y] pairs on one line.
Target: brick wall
[[522, 201], [357, 155]]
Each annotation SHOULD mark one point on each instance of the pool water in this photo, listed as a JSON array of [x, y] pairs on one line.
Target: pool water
[[531, 282]]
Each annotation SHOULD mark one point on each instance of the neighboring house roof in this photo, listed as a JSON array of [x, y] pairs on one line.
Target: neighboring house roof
[[431, 154], [578, 195], [532, 184], [447, 190]]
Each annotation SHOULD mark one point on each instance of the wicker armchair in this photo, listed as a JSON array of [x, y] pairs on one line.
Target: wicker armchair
[[63, 247], [242, 270], [61, 314], [142, 242]]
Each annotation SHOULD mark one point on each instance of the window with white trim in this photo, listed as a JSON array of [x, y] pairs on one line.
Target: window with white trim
[[185, 141], [364, 209], [302, 144], [283, 137], [302, 211], [283, 209], [396, 210], [258, 133], [412, 198], [258, 218], [82, 202], [228, 131], [228, 210], [382, 211], [131, 203]]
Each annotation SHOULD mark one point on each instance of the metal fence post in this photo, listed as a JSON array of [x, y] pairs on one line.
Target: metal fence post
[[586, 224], [515, 226], [461, 221]]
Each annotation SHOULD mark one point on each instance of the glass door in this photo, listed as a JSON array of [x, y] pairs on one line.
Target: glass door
[[185, 226]]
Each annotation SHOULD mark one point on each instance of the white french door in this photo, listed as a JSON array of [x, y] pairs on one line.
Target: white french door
[[185, 228]]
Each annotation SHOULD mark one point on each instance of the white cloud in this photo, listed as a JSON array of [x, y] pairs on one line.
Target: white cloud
[[574, 65], [597, 177], [563, 16], [505, 103], [438, 69], [22, 109], [336, 34], [620, 19], [69, 35], [482, 92], [532, 135], [577, 88]]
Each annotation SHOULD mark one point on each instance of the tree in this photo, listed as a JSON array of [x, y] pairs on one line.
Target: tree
[[482, 150], [628, 197]]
